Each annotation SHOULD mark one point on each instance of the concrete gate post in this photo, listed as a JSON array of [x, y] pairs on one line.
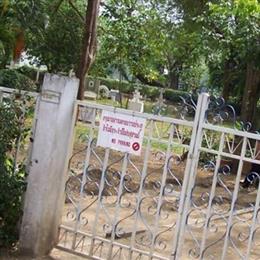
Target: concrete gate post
[[48, 165]]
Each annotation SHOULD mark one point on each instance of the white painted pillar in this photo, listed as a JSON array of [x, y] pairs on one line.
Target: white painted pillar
[[44, 197]]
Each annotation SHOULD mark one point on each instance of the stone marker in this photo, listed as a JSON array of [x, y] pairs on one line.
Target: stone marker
[[86, 114], [136, 104], [90, 95], [103, 91], [92, 88], [159, 107], [115, 95]]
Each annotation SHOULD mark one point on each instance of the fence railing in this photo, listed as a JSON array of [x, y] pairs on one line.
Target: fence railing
[[159, 205], [163, 205]]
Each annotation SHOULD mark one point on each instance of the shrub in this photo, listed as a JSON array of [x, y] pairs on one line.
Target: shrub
[[124, 86], [27, 71], [11, 78], [174, 95], [12, 175], [151, 92], [31, 73]]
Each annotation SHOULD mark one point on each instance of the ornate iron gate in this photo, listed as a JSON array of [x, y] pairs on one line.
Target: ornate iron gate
[[181, 199]]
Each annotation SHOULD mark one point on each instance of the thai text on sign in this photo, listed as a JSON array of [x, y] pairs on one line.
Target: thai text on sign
[[120, 132]]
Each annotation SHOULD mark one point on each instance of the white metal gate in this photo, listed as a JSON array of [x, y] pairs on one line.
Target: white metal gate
[[181, 199]]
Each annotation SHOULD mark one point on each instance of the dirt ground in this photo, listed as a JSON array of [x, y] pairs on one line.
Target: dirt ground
[[151, 188], [55, 255]]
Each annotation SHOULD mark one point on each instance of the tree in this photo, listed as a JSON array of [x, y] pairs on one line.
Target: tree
[[8, 29], [127, 42], [63, 38], [60, 34], [145, 40], [232, 30], [54, 34]]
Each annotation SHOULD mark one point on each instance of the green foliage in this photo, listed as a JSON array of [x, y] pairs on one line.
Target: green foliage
[[27, 71], [230, 36], [11, 78], [127, 35], [150, 92], [31, 72], [195, 41], [7, 34], [174, 95], [235, 24], [147, 39], [124, 86], [55, 36], [53, 32], [194, 76], [12, 187], [12, 175]]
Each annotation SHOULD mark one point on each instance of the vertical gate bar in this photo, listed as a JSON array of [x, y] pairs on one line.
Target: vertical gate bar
[[84, 177], [139, 196], [193, 172], [234, 197], [186, 177], [163, 181], [185, 183], [199, 137], [102, 183], [190, 171], [120, 192], [254, 220], [212, 195]]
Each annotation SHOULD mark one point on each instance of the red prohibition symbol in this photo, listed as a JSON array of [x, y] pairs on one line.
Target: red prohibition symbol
[[136, 146]]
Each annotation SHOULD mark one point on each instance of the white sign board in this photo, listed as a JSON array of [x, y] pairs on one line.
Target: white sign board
[[121, 132]]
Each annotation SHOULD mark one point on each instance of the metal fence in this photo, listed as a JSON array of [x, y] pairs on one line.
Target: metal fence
[[181, 199]]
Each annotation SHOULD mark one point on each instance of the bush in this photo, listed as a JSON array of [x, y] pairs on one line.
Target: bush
[[10, 78], [150, 92], [123, 86], [174, 95], [31, 73], [27, 71], [12, 175]]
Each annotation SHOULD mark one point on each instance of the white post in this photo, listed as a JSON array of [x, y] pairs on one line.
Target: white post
[[48, 165], [190, 174]]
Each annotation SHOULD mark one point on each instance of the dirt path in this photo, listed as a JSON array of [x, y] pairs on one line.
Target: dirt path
[[55, 255]]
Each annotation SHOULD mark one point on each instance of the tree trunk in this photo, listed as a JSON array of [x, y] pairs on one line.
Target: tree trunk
[[19, 46], [251, 95], [173, 80], [227, 86], [89, 44]]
